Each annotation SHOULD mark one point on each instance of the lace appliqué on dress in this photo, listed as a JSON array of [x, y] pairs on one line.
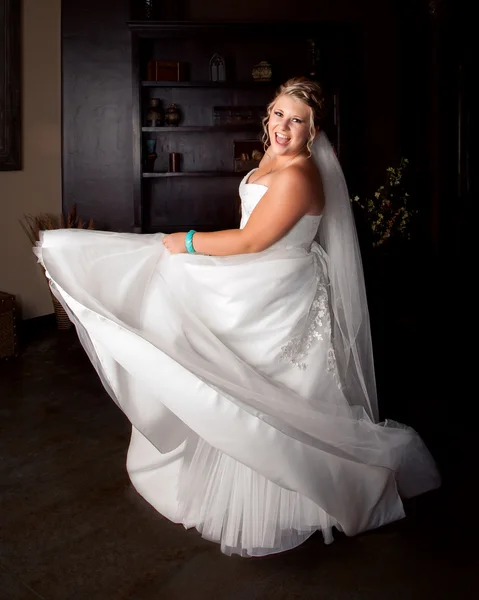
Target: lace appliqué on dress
[[318, 327]]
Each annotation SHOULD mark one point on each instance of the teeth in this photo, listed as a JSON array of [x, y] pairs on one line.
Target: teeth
[[284, 137]]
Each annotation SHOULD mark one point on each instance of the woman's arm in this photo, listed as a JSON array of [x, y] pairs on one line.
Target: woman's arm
[[292, 194]]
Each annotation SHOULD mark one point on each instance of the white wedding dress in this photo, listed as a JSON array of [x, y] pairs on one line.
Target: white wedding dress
[[226, 370]]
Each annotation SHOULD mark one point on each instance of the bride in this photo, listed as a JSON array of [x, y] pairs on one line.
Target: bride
[[243, 358]]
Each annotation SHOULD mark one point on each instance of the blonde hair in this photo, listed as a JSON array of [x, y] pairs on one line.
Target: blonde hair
[[307, 91]]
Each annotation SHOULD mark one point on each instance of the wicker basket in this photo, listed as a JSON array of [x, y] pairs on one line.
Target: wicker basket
[[63, 321]]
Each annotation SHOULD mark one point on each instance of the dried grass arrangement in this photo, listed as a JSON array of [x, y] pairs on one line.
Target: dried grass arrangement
[[32, 225]]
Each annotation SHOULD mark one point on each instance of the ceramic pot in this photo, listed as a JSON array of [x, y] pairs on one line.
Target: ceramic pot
[[172, 115], [262, 71], [154, 116]]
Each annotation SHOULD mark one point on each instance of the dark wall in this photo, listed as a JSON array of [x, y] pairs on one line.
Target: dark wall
[[435, 97], [97, 93], [97, 98], [375, 22]]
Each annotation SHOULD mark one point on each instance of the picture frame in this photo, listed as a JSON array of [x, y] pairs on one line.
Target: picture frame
[[10, 86], [247, 155]]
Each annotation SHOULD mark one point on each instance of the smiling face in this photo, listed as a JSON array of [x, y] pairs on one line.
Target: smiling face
[[289, 126]]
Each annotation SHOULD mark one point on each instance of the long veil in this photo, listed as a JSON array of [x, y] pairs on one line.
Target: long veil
[[351, 330]]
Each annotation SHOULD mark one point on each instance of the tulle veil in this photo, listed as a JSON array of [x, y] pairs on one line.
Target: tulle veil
[[350, 316]]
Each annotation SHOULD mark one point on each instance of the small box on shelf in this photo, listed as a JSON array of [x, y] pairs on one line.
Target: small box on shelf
[[163, 70]]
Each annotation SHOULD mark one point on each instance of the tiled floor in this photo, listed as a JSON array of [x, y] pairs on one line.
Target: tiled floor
[[73, 528]]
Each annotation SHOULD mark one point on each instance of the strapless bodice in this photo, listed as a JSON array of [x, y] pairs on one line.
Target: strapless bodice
[[301, 235]]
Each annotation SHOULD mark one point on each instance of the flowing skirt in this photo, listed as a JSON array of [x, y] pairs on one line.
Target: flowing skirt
[[226, 370]]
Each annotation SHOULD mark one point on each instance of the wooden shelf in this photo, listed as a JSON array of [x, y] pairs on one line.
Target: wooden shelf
[[194, 174], [284, 44], [247, 85], [204, 128]]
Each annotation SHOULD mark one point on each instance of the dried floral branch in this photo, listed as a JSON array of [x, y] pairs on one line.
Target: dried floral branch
[[388, 213]]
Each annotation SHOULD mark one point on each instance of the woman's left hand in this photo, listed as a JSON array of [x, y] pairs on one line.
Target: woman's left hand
[[175, 242]]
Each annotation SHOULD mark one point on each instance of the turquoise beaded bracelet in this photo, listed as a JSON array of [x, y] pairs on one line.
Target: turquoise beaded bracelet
[[189, 242]]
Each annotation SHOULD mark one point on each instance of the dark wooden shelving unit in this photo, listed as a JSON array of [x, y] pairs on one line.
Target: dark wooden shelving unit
[[203, 128], [194, 174], [204, 195], [240, 85]]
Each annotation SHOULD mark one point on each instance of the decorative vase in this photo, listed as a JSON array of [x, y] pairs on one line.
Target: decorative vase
[[154, 116], [151, 155], [262, 71], [172, 115]]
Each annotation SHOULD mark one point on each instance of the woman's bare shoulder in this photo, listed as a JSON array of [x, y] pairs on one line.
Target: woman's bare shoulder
[[305, 178]]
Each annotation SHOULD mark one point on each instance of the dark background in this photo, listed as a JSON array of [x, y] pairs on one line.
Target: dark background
[[414, 61]]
